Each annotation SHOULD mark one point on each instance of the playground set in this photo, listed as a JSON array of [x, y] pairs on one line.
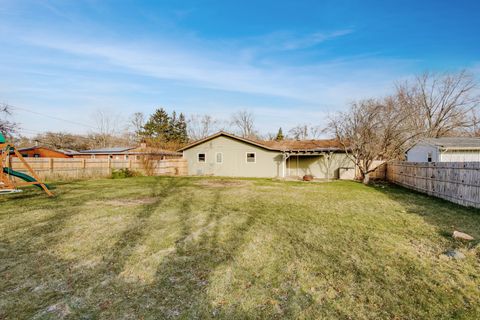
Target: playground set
[[8, 183]]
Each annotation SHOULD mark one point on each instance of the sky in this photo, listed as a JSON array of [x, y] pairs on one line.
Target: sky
[[287, 62]]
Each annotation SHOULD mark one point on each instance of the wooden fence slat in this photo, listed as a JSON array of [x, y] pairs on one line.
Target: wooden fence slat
[[458, 182], [75, 168]]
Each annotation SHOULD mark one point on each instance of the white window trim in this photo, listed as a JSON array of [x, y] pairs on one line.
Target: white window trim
[[254, 157], [198, 160], [216, 157]]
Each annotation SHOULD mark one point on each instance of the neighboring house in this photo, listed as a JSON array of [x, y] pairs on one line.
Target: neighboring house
[[45, 152], [459, 149], [224, 154], [125, 153]]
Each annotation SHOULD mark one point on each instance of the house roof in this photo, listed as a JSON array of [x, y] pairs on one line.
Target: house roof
[[454, 143], [284, 145], [107, 150], [300, 145], [130, 150], [42, 147]]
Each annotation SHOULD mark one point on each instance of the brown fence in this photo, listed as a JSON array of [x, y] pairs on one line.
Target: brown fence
[[71, 168], [457, 182]]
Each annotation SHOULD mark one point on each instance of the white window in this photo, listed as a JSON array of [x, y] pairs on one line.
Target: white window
[[201, 157], [219, 157], [251, 157], [429, 157]]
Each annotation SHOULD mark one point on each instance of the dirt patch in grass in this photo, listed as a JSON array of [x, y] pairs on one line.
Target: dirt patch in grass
[[128, 202], [223, 183]]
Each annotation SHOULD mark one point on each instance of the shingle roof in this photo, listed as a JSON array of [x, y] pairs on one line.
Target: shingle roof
[[460, 143], [297, 145], [285, 145], [108, 150], [130, 150], [41, 147]]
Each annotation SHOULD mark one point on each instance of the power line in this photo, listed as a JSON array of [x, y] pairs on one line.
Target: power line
[[53, 117]]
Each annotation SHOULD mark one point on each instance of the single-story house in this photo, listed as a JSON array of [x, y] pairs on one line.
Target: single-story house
[[447, 149], [224, 154], [45, 152], [125, 153]]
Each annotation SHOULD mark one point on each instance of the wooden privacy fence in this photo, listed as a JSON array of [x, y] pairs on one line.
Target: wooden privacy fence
[[457, 182], [72, 168]]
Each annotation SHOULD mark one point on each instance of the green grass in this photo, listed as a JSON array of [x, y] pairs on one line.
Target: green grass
[[160, 247]]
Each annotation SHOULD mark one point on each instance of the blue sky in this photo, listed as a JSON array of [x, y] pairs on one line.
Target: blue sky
[[288, 62]]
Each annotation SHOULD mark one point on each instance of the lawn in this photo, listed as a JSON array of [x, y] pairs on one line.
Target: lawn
[[160, 247]]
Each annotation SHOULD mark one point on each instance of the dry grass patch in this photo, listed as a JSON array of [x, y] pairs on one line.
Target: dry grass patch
[[222, 183], [200, 248]]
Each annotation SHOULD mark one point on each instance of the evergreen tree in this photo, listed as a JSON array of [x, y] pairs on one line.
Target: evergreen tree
[[182, 128], [172, 128], [280, 136], [158, 125]]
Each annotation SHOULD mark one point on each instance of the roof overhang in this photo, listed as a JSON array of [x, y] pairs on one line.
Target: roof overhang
[[316, 151], [460, 149], [228, 135]]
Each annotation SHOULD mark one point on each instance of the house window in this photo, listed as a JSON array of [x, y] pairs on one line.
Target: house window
[[36, 155], [25, 155], [429, 157], [110, 156], [219, 157], [251, 157], [137, 157], [126, 157], [201, 157]]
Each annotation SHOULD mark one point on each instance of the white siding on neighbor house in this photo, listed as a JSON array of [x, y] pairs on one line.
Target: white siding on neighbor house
[[419, 153], [460, 156], [268, 164]]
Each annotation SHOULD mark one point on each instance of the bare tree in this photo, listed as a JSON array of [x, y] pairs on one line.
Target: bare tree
[[107, 125], [441, 103], [137, 121], [305, 131], [474, 129], [64, 140], [7, 127], [201, 126], [244, 122], [373, 130], [300, 132]]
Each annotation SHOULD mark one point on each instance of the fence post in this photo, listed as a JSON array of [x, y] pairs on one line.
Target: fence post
[[51, 166]]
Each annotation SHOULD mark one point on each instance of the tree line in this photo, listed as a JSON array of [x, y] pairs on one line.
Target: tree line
[[379, 128], [430, 106]]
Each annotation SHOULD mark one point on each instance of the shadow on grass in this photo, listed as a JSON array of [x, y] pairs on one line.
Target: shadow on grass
[[37, 284], [445, 215]]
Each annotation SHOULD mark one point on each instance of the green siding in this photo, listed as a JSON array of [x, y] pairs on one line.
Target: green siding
[[319, 166], [267, 164]]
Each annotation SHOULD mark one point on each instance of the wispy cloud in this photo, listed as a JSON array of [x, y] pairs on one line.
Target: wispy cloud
[[225, 70], [296, 42]]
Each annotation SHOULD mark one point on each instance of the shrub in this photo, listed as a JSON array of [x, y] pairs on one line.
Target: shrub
[[124, 173]]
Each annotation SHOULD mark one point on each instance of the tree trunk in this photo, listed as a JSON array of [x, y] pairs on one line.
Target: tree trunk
[[366, 178]]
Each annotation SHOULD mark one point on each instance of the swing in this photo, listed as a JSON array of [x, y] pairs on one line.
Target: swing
[[7, 182]]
